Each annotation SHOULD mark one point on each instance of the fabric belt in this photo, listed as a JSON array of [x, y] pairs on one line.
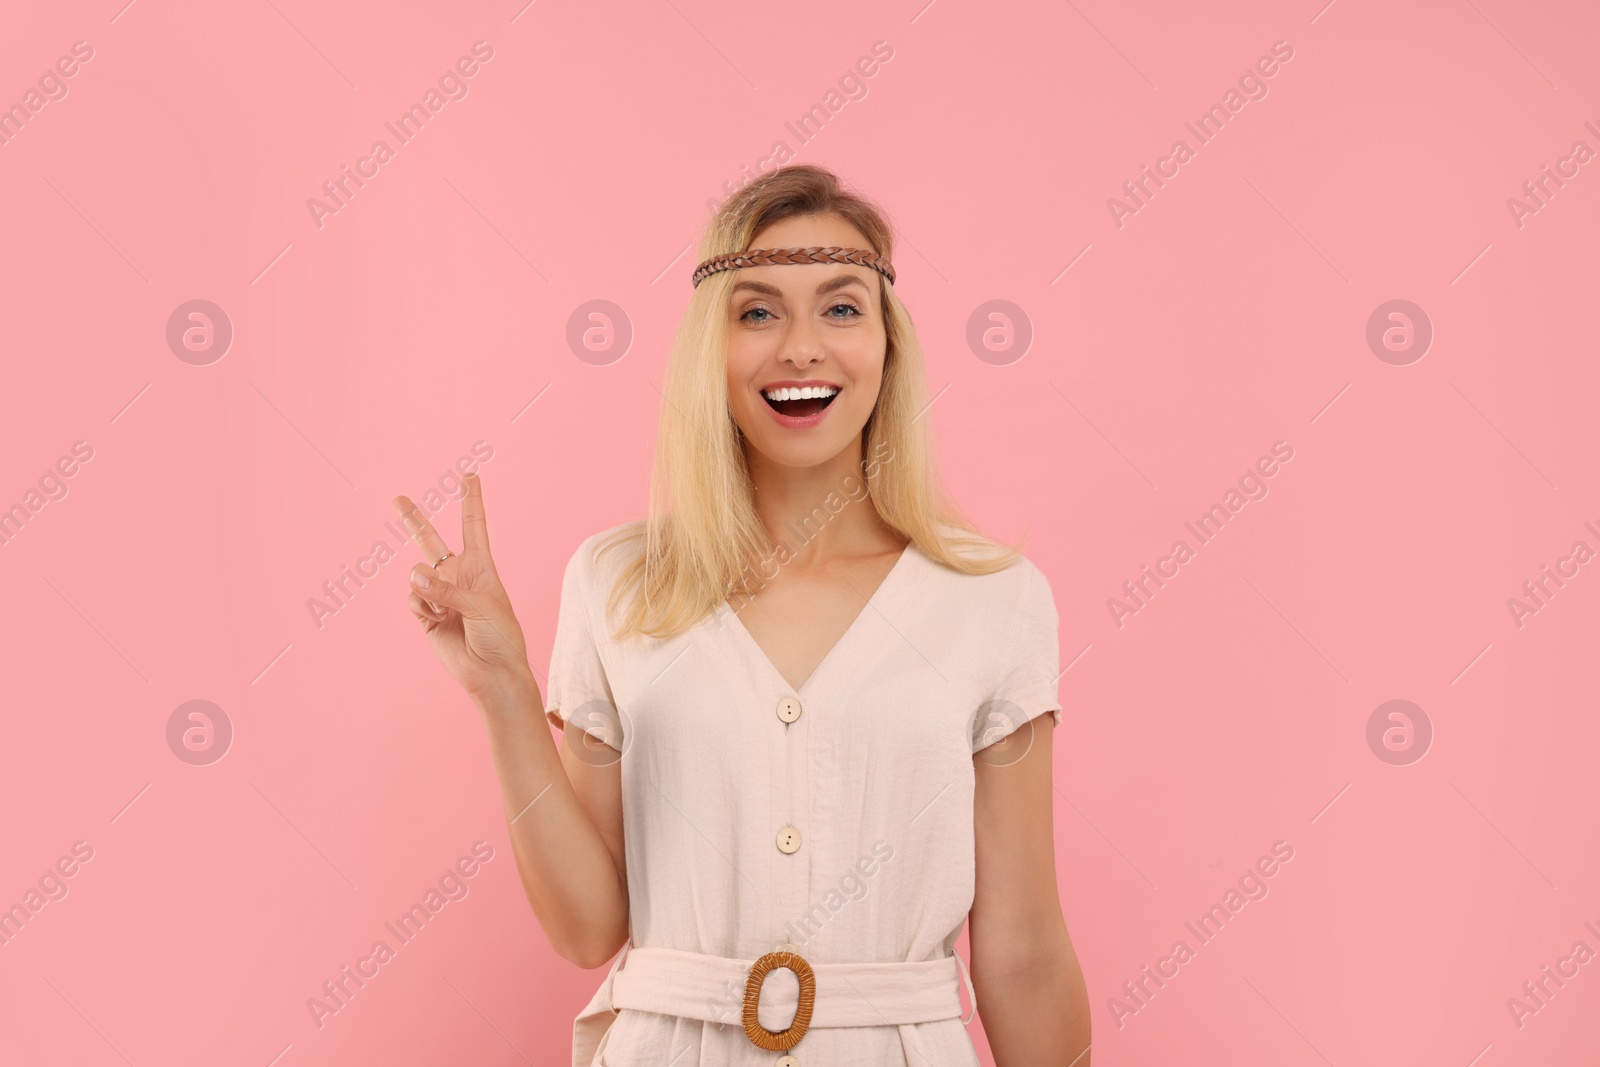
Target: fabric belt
[[711, 989], [692, 985]]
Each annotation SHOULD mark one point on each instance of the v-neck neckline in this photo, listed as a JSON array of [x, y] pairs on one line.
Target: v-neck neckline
[[869, 607]]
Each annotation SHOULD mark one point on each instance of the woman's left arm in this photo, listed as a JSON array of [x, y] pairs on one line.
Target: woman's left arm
[[1030, 988]]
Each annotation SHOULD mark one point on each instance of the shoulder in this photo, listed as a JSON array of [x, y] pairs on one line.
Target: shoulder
[[1006, 603], [1010, 586], [599, 558]]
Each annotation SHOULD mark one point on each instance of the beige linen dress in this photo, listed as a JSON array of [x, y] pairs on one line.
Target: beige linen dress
[[836, 819]]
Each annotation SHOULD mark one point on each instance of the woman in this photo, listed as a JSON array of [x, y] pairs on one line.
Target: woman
[[804, 702]]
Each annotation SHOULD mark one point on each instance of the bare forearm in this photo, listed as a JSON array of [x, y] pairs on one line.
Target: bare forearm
[[567, 871], [1036, 1016]]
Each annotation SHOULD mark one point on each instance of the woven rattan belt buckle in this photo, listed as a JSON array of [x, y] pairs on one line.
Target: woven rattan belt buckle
[[778, 1040]]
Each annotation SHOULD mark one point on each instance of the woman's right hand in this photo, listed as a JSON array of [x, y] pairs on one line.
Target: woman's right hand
[[461, 604]]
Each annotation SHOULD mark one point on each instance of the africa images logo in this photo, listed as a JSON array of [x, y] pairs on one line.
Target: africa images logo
[[452, 85]]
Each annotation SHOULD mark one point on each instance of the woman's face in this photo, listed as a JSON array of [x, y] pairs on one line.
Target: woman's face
[[806, 345]]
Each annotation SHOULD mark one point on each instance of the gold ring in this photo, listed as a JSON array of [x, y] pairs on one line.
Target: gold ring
[[447, 555], [778, 1040]]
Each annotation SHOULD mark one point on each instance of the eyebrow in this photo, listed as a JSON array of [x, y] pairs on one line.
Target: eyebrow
[[826, 287]]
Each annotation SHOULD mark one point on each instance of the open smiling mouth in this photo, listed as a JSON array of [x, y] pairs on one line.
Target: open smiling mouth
[[797, 403]]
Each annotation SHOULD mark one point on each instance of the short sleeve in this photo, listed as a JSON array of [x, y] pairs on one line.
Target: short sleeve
[[1026, 687], [578, 693]]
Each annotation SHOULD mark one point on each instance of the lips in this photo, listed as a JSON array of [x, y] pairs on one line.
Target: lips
[[799, 404]]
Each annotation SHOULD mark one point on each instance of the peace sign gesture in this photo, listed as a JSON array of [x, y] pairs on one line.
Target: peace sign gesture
[[460, 601]]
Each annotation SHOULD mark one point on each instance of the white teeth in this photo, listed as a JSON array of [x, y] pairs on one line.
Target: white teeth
[[810, 392]]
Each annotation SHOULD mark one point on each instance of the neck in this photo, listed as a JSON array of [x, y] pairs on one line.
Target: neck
[[818, 512]]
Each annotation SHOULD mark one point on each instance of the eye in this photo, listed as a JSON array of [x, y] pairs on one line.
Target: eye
[[752, 311], [854, 312]]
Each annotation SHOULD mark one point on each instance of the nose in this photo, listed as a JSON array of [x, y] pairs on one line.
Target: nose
[[802, 343]]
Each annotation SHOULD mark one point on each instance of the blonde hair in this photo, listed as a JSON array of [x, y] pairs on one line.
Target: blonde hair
[[702, 534]]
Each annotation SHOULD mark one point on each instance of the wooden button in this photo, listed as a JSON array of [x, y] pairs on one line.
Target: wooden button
[[788, 709], [787, 1061], [788, 840]]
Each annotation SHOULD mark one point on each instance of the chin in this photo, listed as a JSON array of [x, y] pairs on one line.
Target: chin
[[799, 455], [787, 448]]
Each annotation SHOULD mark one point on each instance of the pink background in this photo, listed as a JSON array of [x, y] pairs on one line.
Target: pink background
[[369, 353]]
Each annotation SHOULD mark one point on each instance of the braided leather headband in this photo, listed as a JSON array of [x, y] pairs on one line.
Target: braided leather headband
[[765, 257]]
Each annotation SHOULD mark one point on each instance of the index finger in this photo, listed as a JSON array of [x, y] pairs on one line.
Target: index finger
[[474, 524], [420, 529]]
